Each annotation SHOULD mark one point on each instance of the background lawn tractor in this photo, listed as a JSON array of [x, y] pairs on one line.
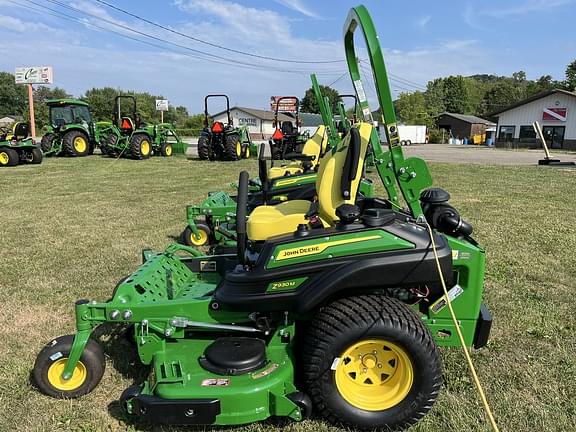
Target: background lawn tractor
[[129, 136], [223, 142], [336, 307], [72, 131], [286, 139], [16, 147]]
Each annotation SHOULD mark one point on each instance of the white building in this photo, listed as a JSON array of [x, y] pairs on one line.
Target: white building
[[259, 122], [555, 110]]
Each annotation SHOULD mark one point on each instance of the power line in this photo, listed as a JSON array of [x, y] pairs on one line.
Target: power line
[[211, 43], [338, 79]]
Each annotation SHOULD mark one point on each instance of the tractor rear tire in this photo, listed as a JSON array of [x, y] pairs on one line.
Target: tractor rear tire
[[369, 363], [36, 156], [8, 157], [140, 146], [233, 148], [166, 149], [50, 364], [203, 148], [47, 142], [75, 143]]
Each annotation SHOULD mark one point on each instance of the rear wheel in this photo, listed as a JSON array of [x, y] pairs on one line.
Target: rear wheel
[[202, 239], [233, 149], [75, 143], [166, 149], [36, 156], [140, 147], [246, 151], [8, 157], [203, 147], [369, 362], [51, 362], [47, 142]]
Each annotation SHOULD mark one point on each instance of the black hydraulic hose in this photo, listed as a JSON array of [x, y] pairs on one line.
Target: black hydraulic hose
[[241, 205]]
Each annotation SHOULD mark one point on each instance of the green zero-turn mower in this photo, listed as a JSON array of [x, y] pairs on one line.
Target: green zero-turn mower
[[220, 141], [72, 131], [334, 308], [129, 136], [16, 147], [213, 221]]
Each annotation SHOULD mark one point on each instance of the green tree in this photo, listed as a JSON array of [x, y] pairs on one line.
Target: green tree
[[456, 95], [503, 94], [310, 105], [101, 101], [571, 76], [435, 97], [411, 109], [41, 94], [13, 97]]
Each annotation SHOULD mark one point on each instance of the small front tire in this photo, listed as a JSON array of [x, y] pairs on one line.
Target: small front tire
[[189, 239], [51, 362], [166, 149]]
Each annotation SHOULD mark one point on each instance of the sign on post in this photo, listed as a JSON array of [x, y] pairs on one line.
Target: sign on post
[[161, 105], [286, 105], [34, 75]]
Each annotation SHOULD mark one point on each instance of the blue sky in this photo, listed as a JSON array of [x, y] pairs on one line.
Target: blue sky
[[422, 40]]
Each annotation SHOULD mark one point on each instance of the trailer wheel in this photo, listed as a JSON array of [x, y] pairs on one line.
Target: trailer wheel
[[8, 157], [50, 364], [408, 142], [140, 147], [47, 142], [203, 148], [189, 239], [166, 149], [75, 143], [233, 149], [369, 362]]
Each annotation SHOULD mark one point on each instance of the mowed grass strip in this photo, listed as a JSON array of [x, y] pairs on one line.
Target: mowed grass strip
[[71, 228]]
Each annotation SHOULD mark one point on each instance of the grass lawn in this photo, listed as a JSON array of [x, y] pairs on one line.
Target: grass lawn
[[70, 228]]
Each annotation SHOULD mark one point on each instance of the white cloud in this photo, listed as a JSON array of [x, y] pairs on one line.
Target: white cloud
[[298, 7], [423, 21]]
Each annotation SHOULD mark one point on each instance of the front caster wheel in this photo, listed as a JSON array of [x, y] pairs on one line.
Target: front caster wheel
[[51, 362], [126, 398], [191, 239]]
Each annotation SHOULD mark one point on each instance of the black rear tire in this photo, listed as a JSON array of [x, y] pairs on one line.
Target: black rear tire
[[203, 147], [8, 157], [140, 146], [52, 359], [75, 143], [47, 142], [233, 149], [404, 356], [37, 156]]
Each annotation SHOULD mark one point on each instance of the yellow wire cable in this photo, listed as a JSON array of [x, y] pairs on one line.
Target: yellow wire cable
[[461, 337]]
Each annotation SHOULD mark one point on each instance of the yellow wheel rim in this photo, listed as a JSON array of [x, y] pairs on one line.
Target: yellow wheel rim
[[168, 150], [55, 376], [247, 152], [80, 144], [374, 375], [145, 148], [4, 158], [238, 149], [200, 239]]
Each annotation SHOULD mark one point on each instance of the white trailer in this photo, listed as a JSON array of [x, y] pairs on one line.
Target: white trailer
[[414, 134]]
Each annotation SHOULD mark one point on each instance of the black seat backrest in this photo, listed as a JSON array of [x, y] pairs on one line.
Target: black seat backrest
[[21, 130], [287, 127]]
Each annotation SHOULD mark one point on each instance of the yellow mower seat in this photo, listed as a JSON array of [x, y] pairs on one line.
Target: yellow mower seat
[[268, 221], [314, 146]]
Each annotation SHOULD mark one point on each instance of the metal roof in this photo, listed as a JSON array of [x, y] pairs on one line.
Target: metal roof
[[65, 101], [261, 114], [467, 118], [531, 99]]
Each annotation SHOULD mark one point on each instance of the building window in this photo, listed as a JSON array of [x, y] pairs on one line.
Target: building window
[[527, 134], [506, 133]]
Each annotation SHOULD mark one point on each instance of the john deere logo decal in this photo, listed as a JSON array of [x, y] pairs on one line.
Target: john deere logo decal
[[318, 248]]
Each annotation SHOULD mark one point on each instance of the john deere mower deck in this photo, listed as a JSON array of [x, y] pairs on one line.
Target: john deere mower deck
[[343, 293], [16, 147]]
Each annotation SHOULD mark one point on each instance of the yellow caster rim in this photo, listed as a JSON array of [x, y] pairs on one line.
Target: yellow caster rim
[[200, 239], [374, 375], [168, 150], [80, 144], [55, 376]]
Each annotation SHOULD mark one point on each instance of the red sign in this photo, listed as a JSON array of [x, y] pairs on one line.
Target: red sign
[[286, 105], [554, 114]]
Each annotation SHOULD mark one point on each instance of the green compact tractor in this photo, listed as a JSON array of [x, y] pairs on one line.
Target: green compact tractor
[[16, 147], [223, 142], [336, 306], [72, 131], [286, 139], [127, 135]]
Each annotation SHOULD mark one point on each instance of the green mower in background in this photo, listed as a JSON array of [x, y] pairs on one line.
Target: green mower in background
[[334, 307], [72, 131], [213, 221], [16, 147], [220, 141], [129, 136]]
